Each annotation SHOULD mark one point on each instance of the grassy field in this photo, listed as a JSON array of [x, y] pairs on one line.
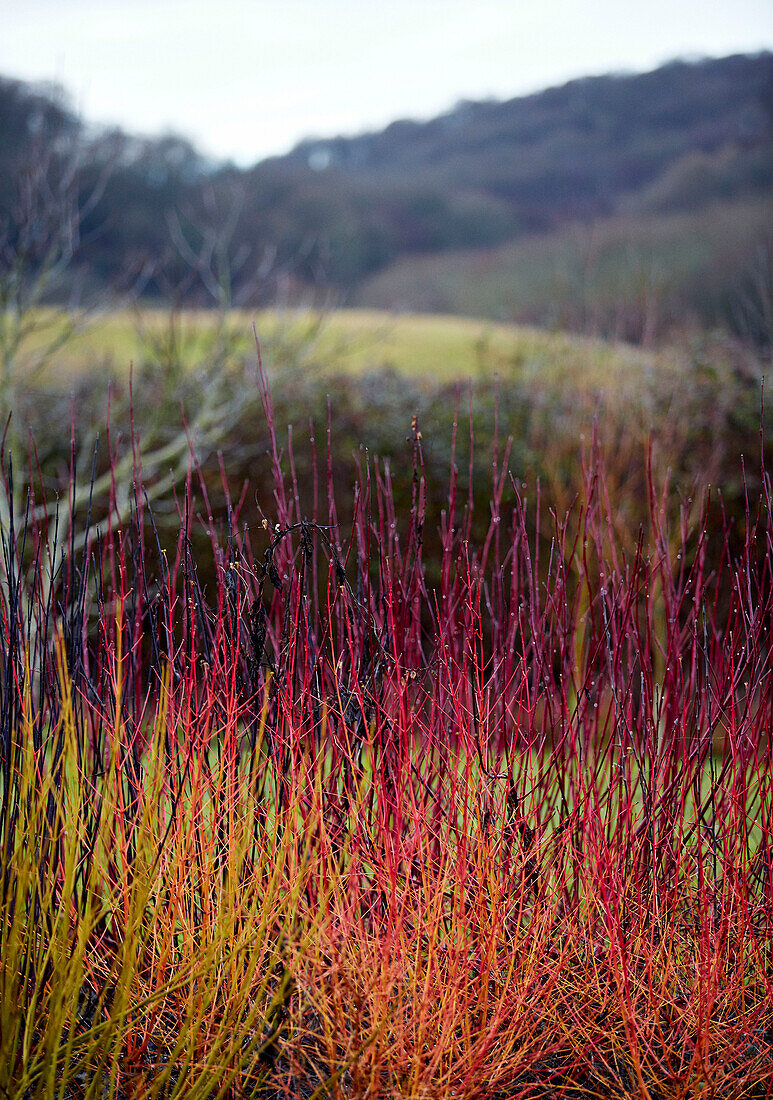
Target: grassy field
[[441, 348]]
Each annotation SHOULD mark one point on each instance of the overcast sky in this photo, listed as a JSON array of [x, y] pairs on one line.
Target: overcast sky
[[247, 78]]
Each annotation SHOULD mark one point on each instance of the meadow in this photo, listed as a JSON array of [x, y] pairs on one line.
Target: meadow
[[409, 737], [340, 341]]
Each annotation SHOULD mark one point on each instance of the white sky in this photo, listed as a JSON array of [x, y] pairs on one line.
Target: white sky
[[247, 78]]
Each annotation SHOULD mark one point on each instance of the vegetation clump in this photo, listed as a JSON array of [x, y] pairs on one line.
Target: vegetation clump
[[345, 821]]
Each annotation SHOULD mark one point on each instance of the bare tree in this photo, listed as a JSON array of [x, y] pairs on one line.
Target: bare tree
[[41, 308], [41, 304]]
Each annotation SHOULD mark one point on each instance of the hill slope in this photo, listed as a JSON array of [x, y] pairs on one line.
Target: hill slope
[[337, 212]]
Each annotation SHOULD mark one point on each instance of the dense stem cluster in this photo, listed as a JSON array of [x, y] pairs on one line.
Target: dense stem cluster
[[335, 828]]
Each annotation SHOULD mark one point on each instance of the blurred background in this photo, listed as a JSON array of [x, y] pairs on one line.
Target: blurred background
[[598, 167], [564, 209]]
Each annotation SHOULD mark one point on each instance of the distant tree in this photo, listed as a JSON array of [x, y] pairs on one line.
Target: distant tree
[[41, 304]]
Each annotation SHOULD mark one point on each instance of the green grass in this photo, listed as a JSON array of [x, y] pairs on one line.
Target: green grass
[[445, 348], [437, 347]]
